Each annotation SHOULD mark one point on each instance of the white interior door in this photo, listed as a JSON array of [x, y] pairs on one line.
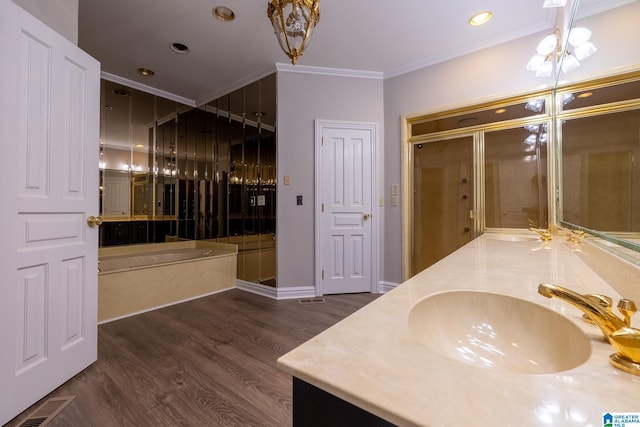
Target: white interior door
[[345, 172], [49, 184]]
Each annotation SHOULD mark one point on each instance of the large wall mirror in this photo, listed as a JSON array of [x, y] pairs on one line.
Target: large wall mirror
[[598, 133], [169, 171]]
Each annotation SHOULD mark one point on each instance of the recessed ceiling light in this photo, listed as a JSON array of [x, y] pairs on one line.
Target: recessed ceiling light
[[480, 18], [146, 72], [179, 48], [223, 13], [585, 94], [468, 121], [139, 146], [501, 110]]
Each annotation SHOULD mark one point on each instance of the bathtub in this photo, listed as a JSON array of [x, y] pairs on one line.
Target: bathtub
[[138, 278]]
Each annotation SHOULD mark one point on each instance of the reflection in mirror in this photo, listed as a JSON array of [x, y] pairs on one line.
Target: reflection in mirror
[[480, 115], [597, 126], [173, 172], [600, 142], [601, 181], [516, 177]]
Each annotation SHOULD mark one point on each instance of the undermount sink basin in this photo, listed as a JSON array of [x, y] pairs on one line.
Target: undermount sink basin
[[498, 332]]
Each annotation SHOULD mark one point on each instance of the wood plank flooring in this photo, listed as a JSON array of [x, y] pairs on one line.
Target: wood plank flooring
[[207, 362]]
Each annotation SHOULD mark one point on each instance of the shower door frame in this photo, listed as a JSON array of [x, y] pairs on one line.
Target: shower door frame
[[408, 190]]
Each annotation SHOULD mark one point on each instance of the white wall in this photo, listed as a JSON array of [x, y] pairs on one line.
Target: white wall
[[302, 98], [61, 15], [490, 74]]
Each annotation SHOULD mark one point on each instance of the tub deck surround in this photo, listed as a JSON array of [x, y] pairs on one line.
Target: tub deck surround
[[133, 288], [372, 360]]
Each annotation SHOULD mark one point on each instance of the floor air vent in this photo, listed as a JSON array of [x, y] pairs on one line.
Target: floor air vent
[[310, 300], [45, 412]]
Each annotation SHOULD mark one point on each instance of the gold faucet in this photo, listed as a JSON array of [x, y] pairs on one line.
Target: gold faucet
[[624, 339], [545, 235], [576, 236]]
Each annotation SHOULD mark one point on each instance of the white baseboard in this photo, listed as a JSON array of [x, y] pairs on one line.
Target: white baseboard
[[257, 288], [277, 293], [295, 292], [385, 287]]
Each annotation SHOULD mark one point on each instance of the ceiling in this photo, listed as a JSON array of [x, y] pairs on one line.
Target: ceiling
[[389, 38]]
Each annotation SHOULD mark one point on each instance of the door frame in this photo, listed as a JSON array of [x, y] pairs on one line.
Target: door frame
[[372, 127]]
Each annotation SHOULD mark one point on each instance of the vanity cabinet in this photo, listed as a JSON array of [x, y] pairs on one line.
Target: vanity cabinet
[[314, 407]]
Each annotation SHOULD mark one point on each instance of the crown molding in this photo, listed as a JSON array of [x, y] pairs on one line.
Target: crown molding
[[325, 71], [148, 89]]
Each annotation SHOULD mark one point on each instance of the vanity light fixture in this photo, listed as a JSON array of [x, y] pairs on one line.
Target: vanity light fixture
[[293, 22], [567, 98], [480, 18], [535, 105], [549, 52], [223, 13], [146, 72], [538, 134]]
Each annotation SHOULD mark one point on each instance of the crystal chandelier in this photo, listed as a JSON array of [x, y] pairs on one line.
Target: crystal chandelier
[[293, 22]]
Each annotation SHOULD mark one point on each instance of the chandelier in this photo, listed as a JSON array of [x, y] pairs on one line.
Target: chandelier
[[293, 22]]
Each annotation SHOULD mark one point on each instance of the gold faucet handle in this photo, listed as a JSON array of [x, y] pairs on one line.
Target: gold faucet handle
[[576, 236], [628, 309], [604, 300]]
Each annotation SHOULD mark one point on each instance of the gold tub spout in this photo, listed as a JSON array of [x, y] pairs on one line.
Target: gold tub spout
[[624, 339]]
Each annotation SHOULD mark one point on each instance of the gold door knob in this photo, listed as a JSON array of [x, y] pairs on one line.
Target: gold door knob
[[94, 221], [367, 216]]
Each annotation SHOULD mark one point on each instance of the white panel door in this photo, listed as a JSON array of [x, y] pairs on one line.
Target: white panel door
[[346, 210], [49, 184]]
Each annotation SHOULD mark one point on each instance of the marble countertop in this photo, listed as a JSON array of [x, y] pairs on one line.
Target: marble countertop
[[371, 359]]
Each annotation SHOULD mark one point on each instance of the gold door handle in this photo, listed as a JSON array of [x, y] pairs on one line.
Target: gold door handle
[[94, 221], [367, 216]]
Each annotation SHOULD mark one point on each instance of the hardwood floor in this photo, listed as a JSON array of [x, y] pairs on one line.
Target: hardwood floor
[[207, 362]]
